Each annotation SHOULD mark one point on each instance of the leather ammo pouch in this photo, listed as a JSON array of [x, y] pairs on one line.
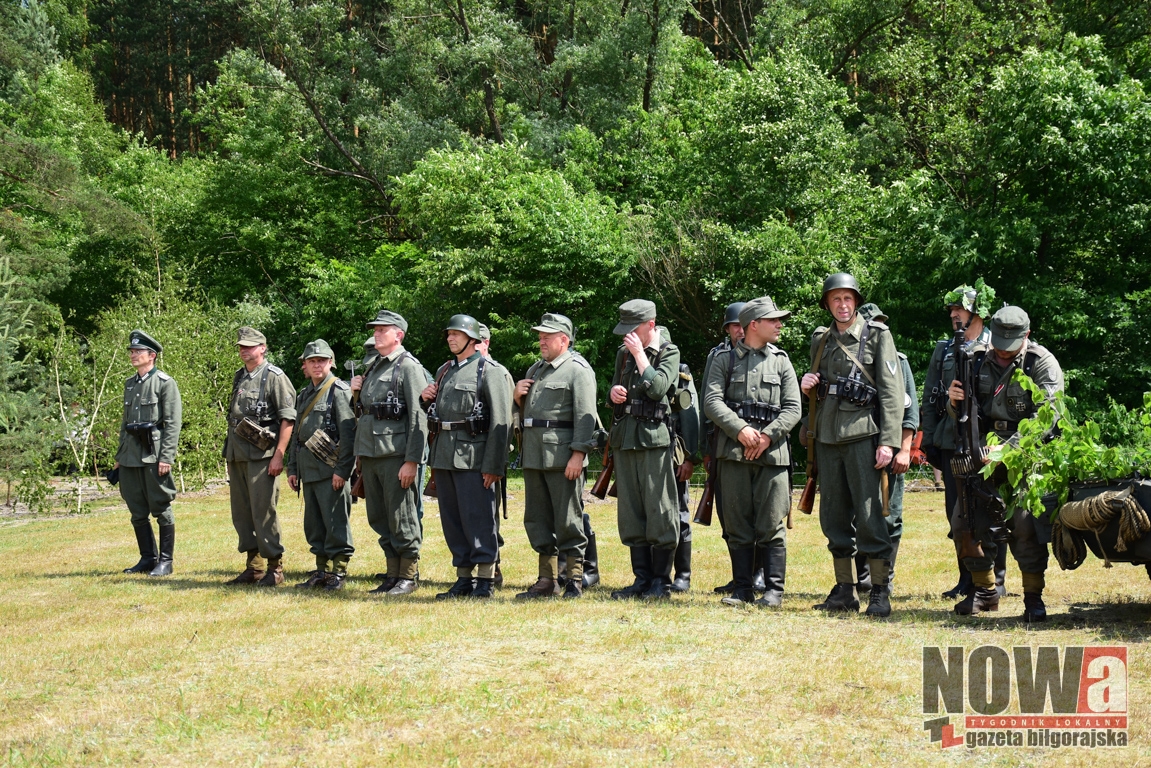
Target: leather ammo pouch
[[390, 408], [988, 503], [323, 447], [142, 431], [855, 391], [261, 437], [754, 412], [646, 409]]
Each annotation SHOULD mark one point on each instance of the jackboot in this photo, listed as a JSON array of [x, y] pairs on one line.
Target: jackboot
[[641, 567], [979, 600], [759, 579], [742, 569], [776, 569], [879, 603], [275, 575], [253, 570], [842, 596], [682, 560], [661, 561], [146, 542], [964, 586], [462, 588], [167, 546], [1001, 571], [590, 556], [498, 580], [863, 573]]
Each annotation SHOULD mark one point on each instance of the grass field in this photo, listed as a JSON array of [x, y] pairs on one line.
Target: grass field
[[97, 667]]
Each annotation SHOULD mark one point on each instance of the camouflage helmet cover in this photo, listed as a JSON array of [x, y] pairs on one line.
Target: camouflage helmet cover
[[978, 299]]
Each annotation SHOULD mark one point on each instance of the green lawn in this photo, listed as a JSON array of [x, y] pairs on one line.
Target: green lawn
[[97, 667]]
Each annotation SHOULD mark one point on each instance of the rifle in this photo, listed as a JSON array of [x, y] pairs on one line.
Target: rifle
[[967, 459], [603, 484], [807, 498], [703, 510], [357, 480]]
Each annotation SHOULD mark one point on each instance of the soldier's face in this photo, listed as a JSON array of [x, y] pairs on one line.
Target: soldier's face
[[734, 332], [770, 329], [841, 302], [457, 341], [552, 345], [317, 368], [387, 338], [251, 355], [141, 358], [960, 317]]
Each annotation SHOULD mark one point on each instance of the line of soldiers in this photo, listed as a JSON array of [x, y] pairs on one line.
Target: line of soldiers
[[379, 431]]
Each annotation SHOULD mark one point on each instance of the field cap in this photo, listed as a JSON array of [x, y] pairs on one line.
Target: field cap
[[632, 313], [555, 323], [1009, 327], [318, 348], [388, 317], [757, 309], [249, 337]]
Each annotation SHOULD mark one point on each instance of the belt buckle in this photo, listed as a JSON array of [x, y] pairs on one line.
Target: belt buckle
[[833, 389], [1001, 426], [529, 422]]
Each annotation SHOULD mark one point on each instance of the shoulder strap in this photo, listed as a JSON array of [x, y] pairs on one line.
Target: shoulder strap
[[323, 391], [399, 374], [730, 370], [1029, 361], [855, 364], [819, 351]]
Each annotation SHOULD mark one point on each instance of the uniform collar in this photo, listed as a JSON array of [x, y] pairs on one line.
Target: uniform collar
[[742, 349], [142, 377], [317, 387], [853, 330], [395, 353], [252, 373], [561, 359], [458, 364]]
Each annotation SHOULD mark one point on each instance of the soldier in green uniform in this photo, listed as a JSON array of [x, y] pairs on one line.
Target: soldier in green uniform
[[969, 308], [899, 465], [641, 441], [320, 464], [856, 431], [391, 440], [685, 422], [260, 421], [1002, 405], [501, 490], [734, 333], [149, 434], [752, 397], [471, 426]]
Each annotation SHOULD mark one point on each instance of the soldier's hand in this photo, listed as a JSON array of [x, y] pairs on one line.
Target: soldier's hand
[[574, 466], [808, 381], [337, 483], [490, 480], [294, 482], [116, 465], [276, 465], [902, 462], [955, 392], [618, 394], [633, 344], [683, 474], [429, 392], [356, 383], [163, 469], [749, 438], [883, 456], [407, 474], [522, 390]]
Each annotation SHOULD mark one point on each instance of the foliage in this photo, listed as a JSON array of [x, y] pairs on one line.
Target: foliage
[[1053, 450]]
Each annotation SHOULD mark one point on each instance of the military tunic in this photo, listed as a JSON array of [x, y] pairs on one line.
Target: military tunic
[[252, 491], [326, 511], [385, 444], [153, 397], [564, 391], [850, 508], [758, 492], [648, 512], [467, 509], [707, 427], [1002, 405], [898, 482]]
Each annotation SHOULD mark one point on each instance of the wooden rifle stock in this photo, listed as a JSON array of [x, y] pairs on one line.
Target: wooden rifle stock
[[703, 510], [430, 488], [807, 498], [603, 482], [357, 482]]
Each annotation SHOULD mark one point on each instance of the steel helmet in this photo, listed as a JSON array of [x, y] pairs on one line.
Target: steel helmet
[[465, 324], [837, 281]]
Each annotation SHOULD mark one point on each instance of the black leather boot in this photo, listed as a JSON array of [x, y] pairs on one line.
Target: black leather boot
[[661, 561], [964, 587], [1033, 607], [1001, 570], [776, 559], [863, 574], [462, 588], [147, 545], [484, 588], [742, 570], [590, 556], [167, 545], [978, 601], [641, 567], [759, 579], [682, 560]]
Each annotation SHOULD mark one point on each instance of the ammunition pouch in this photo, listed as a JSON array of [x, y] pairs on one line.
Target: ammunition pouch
[[141, 430], [391, 409], [323, 447], [988, 503], [855, 391], [646, 409], [938, 400], [259, 436], [754, 412]]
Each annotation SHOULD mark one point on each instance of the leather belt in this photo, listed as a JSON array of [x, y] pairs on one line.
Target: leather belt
[[549, 424], [448, 426]]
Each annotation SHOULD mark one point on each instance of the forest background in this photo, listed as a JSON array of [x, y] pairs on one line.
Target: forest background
[[188, 167]]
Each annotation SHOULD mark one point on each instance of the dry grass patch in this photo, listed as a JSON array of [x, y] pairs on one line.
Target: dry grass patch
[[99, 667]]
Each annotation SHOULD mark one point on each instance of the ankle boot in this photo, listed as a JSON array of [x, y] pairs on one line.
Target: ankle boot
[[863, 579], [253, 569], [980, 600], [641, 567], [590, 556], [776, 559], [682, 560], [275, 574], [146, 543], [661, 561], [167, 545], [842, 596], [879, 603], [742, 570], [964, 586]]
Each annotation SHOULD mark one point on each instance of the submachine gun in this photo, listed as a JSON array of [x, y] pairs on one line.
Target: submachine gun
[[967, 460]]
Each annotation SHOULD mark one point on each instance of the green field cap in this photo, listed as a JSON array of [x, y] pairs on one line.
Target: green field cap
[[318, 348], [1009, 327], [249, 337], [632, 313], [388, 317], [555, 323], [760, 308]]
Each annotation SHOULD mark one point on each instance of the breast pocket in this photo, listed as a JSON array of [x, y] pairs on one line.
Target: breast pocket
[[461, 400], [766, 388], [149, 408], [551, 398], [738, 388]]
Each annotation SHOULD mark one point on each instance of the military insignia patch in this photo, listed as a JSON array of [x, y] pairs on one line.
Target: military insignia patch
[[891, 366]]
